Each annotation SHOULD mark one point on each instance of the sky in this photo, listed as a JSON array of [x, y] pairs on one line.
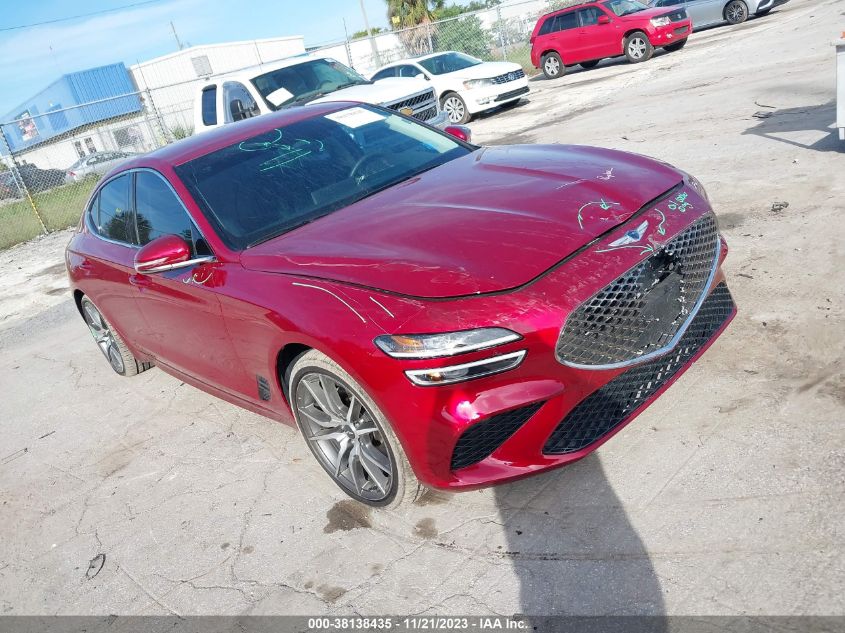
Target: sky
[[31, 58]]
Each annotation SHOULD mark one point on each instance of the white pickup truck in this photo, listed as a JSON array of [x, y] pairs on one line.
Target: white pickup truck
[[261, 89]]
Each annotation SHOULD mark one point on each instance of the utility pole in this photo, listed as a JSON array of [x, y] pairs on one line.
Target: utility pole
[[176, 35], [373, 46]]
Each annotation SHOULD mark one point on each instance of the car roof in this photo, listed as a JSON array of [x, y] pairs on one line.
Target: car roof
[[573, 6], [419, 58], [206, 142], [260, 69]]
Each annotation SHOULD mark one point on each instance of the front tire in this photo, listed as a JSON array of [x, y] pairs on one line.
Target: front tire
[[455, 109], [122, 361], [553, 66], [676, 46], [736, 12], [348, 434], [638, 48]]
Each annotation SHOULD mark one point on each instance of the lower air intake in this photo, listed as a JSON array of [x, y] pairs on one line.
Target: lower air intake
[[480, 440]]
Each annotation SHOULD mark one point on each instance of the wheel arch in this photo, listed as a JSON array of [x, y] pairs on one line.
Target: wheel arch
[[285, 358], [77, 299]]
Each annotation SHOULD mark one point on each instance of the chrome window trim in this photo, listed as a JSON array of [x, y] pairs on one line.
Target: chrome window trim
[[196, 261], [517, 356], [673, 342], [130, 172]]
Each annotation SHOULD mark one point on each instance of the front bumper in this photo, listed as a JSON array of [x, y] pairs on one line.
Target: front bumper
[[544, 413], [670, 34], [482, 99]]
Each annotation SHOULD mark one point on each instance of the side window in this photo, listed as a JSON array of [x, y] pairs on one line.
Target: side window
[[547, 26], [209, 105], [239, 103], [115, 220], [159, 212], [566, 21], [588, 16], [408, 71], [382, 74]]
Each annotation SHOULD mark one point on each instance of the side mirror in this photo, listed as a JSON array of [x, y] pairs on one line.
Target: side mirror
[[461, 132], [163, 253], [603, 19]]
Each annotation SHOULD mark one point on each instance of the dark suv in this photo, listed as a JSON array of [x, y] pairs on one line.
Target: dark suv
[[587, 33]]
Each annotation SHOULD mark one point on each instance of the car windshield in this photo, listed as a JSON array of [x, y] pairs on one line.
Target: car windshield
[[625, 7], [305, 82], [448, 63], [279, 180]]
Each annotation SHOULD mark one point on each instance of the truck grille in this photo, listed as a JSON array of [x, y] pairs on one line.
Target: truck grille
[[421, 104], [511, 76], [480, 440], [641, 311], [605, 409]]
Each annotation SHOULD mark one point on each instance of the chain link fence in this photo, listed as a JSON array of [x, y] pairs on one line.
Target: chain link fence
[[50, 162]]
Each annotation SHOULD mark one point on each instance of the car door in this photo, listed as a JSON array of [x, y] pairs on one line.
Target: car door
[[705, 12], [596, 40], [110, 246], [565, 37], [183, 324]]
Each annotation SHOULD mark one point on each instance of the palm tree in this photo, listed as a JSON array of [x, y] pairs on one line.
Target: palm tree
[[406, 14]]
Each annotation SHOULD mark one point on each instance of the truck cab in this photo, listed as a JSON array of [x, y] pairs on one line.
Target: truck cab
[[266, 88]]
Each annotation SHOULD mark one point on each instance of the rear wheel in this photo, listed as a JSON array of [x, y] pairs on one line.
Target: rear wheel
[[736, 12], [676, 46], [348, 434], [455, 109], [122, 361], [638, 48], [553, 66], [591, 64]]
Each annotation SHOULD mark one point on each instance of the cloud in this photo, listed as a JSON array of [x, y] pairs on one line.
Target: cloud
[[32, 58]]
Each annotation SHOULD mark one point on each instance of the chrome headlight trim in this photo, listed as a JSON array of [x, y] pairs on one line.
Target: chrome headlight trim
[[506, 362], [384, 343]]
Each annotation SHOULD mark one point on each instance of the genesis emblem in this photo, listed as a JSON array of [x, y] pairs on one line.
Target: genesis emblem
[[632, 236]]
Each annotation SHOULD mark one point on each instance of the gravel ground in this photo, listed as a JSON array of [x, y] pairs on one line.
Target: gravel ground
[[725, 497]]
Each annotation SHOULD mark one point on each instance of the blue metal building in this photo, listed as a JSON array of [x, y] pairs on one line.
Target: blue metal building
[[72, 101]]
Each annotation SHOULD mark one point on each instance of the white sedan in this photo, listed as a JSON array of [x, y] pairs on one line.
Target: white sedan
[[465, 85]]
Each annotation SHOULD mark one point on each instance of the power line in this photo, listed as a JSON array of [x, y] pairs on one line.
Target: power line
[[76, 17]]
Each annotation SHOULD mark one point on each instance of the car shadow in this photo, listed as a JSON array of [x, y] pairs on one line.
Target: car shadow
[[807, 127], [574, 549], [608, 62]]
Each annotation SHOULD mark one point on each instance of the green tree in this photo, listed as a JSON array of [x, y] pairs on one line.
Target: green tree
[[465, 35], [363, 33]]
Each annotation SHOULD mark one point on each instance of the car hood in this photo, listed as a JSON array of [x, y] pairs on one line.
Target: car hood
[[486, 222], [380, 92], [648, 14], [484, 71]]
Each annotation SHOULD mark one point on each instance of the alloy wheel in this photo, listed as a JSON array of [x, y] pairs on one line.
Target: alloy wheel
[[103, 336], [454, 109], [344, 436], [736, 13], [637, 47], [551, 65]]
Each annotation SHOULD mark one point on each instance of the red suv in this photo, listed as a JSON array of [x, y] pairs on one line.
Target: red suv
[[589, 32]]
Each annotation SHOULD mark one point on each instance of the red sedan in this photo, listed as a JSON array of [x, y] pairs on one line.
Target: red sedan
[[587, 33], [428, 312]]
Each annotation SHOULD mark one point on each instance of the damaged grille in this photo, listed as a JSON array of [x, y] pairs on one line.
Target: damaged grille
[[603, 410], [480, 440], [422, 105], [641, 311], [511, 76]]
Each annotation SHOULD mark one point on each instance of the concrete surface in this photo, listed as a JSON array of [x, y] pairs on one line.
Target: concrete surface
[[726, 497]]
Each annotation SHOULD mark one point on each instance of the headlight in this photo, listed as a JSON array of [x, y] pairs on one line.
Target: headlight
[[446, 344], [477, 83], [664, 21], [696, 184], [467, 371]]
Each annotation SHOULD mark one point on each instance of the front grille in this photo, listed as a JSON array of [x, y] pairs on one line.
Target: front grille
[[512, 93], [480, 440], [420, 103], [678, 16], [511, 76], [641, 311], [425, 115], [603, 410]]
